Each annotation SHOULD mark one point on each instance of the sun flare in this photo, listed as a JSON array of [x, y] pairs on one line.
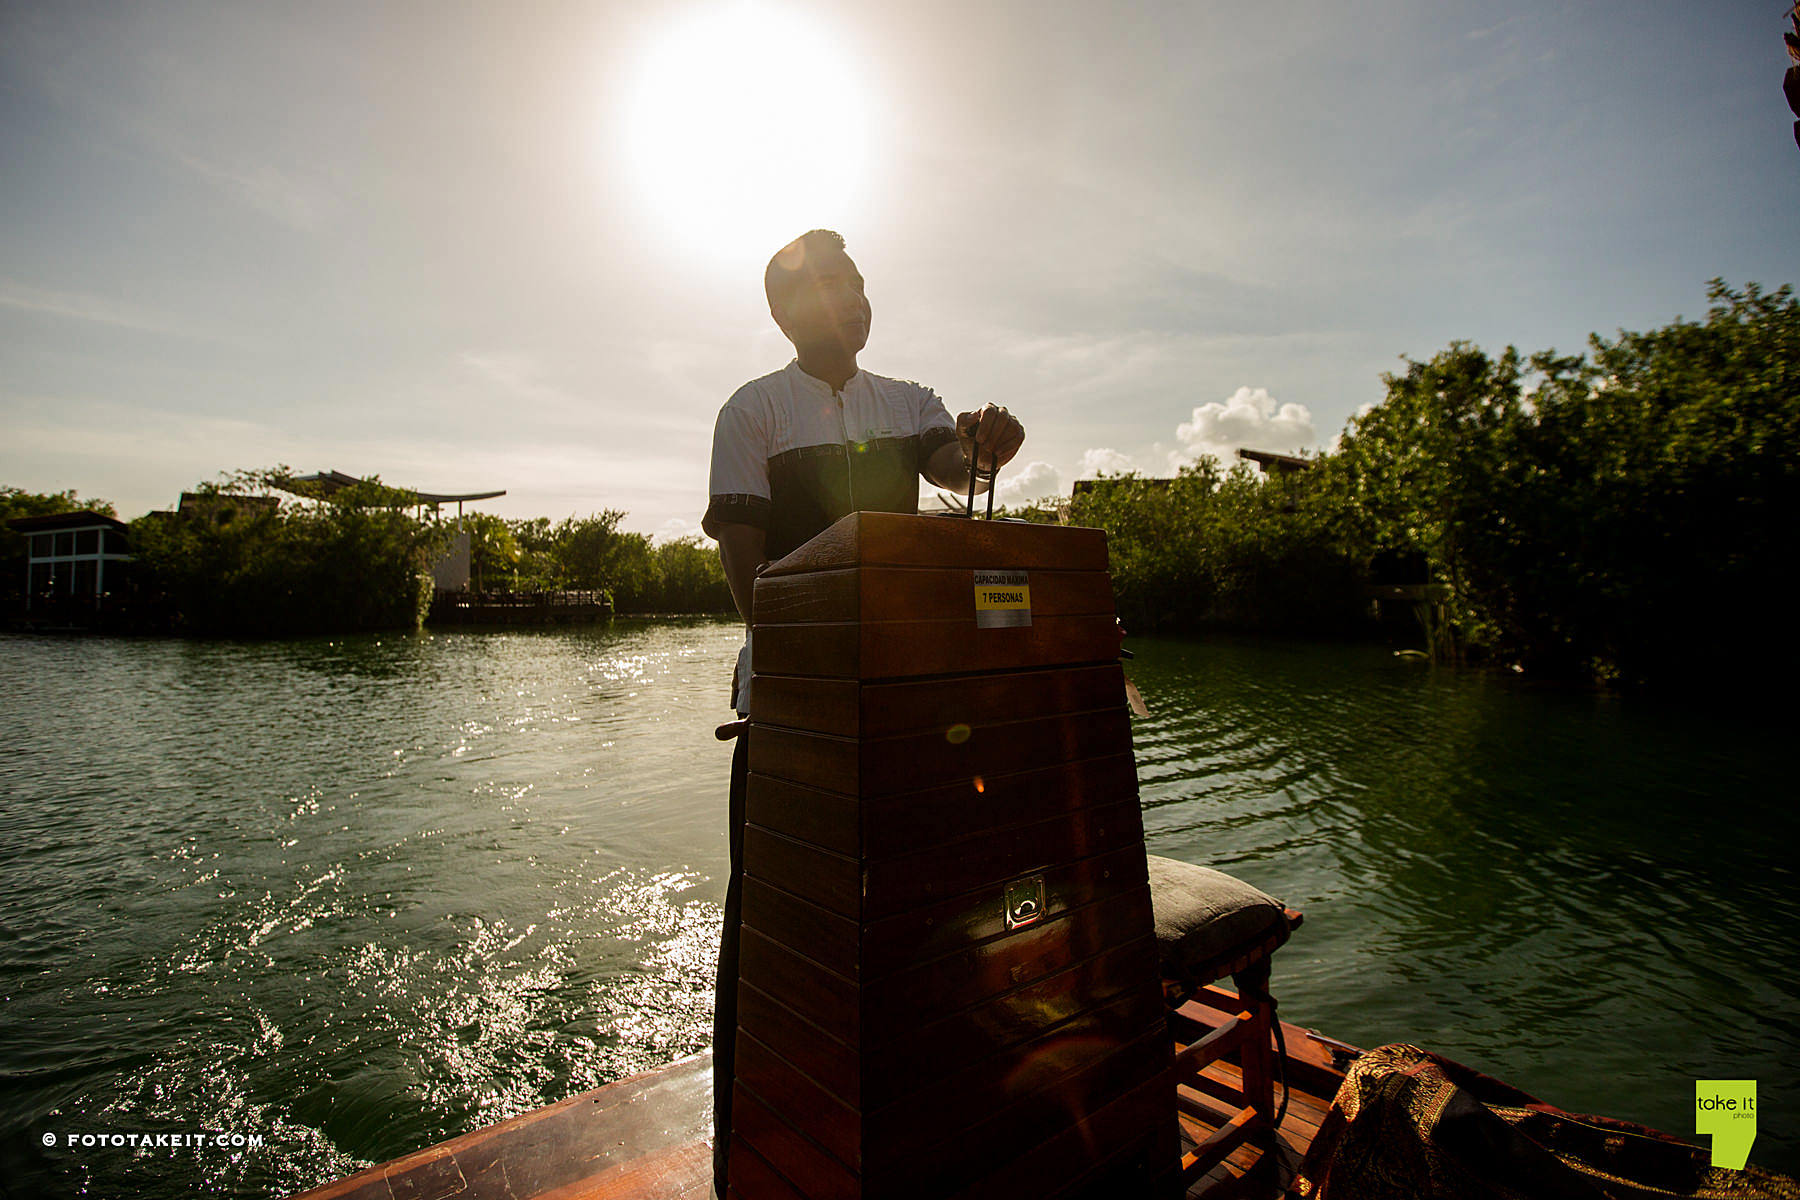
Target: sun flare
[[748, 126]]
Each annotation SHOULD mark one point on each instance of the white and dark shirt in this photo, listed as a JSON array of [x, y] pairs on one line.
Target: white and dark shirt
[[790, 456]]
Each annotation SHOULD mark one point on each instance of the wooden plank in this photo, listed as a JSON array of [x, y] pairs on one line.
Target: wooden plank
[[676, 1173], [826, 595], [832, 1063], [962, 921], [1015, 1011], [799, 1159], [916, 820], [1144, 1110], [1204, 1110], [829, 939], [752, 1178], [1255, 1059], [883, 826], [1145, 1168], [875, 767], [553, 1146], [831, 881], [829, 820], [1022, 956], [1211, 1086], [1056, 1090], [912, 762], [895, 539], [910, 649], [1300, 1122], [876, 593], [1292, 1139], [834, 1125], [849, 708], [1250, 1169], [1218, 1144], [815, 705], [815, 760], [1310, 1065], [1226, 1039], [982, 1053], [991, 859], [796, 982], [1224, 1081], [1301, 1119]]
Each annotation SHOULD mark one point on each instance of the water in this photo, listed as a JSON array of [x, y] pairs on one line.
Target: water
[[360, 896]]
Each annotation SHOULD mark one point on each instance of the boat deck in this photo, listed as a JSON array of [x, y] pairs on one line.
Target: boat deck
[[1314, 1067], [649, 1137]]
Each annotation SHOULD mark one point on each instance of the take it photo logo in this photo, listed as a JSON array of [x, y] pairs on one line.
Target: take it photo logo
[[1726, 1109]]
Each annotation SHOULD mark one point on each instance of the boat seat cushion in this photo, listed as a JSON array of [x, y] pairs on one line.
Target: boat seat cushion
[[1203, 915]]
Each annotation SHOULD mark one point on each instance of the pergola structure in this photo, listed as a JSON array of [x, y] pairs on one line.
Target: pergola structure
[[450, 573], [332, 482], [1270, 462]]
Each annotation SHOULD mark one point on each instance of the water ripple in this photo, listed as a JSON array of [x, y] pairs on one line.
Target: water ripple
[[361, 895], [355, 895]]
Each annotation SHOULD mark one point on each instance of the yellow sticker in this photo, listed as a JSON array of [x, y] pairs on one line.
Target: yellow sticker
[[1726, 1108], [1002, 599]]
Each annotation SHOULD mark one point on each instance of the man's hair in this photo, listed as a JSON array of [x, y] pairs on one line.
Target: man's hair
[[783, 273]]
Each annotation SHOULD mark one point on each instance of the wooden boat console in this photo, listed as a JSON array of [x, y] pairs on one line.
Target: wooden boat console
[[949, 969]]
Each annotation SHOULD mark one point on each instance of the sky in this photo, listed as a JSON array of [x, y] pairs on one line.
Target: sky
[[477, 246]]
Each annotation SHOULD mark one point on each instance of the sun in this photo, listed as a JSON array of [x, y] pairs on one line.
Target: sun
[[747, 126]]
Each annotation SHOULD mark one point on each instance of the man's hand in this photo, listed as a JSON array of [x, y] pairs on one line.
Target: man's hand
[[992, 433]]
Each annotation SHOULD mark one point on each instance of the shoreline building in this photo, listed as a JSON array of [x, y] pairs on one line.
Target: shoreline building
[[70, 556]]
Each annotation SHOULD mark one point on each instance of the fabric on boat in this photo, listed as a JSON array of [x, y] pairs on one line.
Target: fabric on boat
[[1410, 1123], [1203, 914]]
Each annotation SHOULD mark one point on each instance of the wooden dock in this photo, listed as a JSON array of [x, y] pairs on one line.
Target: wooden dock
[[519, 608]]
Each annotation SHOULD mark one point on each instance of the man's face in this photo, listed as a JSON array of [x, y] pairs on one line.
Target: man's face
[[827, 307]]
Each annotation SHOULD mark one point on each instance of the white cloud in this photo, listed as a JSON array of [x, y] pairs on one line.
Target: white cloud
[[1251, 417], [676, 528], [1036, 481], [1103, 461]]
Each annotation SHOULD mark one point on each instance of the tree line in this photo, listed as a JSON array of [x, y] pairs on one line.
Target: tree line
[[257, 553], [678, 575], [1622, 515]]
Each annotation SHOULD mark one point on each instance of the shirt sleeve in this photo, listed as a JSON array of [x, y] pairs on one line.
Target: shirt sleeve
[[738, 487], [936, 425]]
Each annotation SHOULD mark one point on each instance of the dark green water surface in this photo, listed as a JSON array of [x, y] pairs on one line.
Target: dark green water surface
[[355, 897]]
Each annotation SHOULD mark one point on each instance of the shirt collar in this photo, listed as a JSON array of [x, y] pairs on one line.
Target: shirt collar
[[801, 379]]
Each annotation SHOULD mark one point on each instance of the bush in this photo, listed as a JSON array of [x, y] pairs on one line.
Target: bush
[[1627, 519], [1212, 548], [346, 565]]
